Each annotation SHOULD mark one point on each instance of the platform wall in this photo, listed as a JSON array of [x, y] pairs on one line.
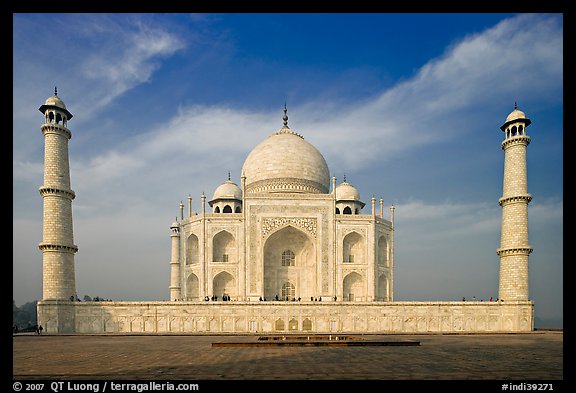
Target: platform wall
[[275, 317]]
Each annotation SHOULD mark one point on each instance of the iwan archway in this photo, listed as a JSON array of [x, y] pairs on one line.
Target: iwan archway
[[289, 260]]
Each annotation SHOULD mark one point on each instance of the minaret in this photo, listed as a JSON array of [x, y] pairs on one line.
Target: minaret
[[175, 289], [57, 245], [514, 248]]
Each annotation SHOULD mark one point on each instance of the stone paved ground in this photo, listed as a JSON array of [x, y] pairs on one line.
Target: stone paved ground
[[532, 356]]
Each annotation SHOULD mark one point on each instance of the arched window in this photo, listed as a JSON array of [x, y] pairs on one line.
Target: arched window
[[192, 250], [353, 248], [514, 131], [356, 211], [217, 210], [288, 258], [382, 251], [279, 325], [520, 129], [192, 288], [238, 210], [224, 247], [354, 287], [288, 291], [227, 209], [347, 210], [337, 211]]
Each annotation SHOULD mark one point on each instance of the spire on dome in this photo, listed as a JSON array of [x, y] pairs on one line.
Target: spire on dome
[[285, 118]]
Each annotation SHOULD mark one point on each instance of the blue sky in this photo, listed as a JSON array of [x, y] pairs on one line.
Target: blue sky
[[408, 106]]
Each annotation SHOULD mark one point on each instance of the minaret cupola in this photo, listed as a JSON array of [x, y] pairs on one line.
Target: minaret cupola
[[515, 124], [55, 110]]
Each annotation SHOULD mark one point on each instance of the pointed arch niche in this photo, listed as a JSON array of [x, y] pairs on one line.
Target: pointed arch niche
[[192, 288], [224, 247], [354, 287], [302, 274], [382, 293], [353, 248], [192, 250], [383, 257], [224, 284]]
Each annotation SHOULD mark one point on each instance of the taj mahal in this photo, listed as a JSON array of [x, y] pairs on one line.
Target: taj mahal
[[284, 234], [284, 249]]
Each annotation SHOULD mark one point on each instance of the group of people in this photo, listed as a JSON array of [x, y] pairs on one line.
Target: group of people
[[225, 298], [287, 298], [88, 299], [37, 329], [277, 298], [475, 300]]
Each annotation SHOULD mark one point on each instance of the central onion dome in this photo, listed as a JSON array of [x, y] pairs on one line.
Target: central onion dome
[[286, 163]]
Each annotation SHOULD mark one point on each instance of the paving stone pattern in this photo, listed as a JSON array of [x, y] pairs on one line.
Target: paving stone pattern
[[531, 356]]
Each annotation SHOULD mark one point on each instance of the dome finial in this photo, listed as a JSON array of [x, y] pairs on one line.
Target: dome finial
[[344, 177], [228, 175], [55, 90], [515, 105], [285, 118]]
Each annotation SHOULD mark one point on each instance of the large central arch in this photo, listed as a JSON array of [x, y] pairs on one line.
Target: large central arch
[[280, 272]]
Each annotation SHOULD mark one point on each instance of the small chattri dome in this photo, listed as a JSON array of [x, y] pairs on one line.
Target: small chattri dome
[[228, 190], [346, 192], [175, 224], [55, 102], [514, 116]]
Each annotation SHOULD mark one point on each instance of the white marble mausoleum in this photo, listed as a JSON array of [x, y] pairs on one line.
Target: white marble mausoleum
[[284, 249]]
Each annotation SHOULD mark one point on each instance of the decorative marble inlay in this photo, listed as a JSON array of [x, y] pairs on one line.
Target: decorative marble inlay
[[273, 223]]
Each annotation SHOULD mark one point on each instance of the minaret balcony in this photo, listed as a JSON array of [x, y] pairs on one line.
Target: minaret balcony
[[515, 140], [58, 247], [514, 251], [44, 190], [525, 198], [54, 128]]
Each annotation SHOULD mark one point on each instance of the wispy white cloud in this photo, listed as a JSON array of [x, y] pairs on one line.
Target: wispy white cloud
[[495, 66], [455, 243], [433, 223], [124, 57], [127, 58], [27, 170], [199, 142], [116, 54]]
